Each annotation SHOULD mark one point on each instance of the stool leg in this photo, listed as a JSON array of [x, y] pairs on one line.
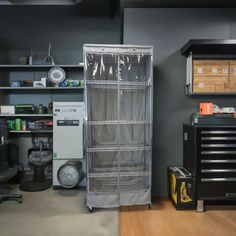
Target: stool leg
[[38, 174]]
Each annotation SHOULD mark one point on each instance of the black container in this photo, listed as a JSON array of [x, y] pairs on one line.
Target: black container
[[181, 188], [3, 145], [3, 157]]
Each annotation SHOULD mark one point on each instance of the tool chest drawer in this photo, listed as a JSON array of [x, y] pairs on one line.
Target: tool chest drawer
[[217, 191], [217, 154], [210, 153]]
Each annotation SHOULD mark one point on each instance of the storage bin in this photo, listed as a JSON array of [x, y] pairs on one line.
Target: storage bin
[[181, 188]]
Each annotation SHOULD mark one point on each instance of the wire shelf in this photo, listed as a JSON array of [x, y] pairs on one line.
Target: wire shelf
[[115, 82], [115, 87], [122, 122], [121, 174], [111, 148]]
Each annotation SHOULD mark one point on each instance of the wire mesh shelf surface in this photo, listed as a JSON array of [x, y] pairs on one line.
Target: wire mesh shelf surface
[[122, 122], [111, 148], [120, 174]]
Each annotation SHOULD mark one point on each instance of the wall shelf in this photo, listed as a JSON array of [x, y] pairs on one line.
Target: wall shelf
[[11, 66], [209, 46], [198, 52], [26, 115], [41, 88], [213, 94], [29, 131]]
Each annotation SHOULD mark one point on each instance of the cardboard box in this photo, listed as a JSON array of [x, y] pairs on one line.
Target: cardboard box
[[7, 110], [181, 188], [212, 76], [230, 87], [204, 87], [207, 68], [211, 79], [232, 77], [220, 87]]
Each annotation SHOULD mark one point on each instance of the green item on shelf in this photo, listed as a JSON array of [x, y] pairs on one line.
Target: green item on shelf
[[11, 124], [81, 83], [18, 124]]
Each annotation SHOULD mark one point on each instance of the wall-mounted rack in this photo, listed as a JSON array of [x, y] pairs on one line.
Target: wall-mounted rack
[[26, 115], [197, 50], [40, 88], [209, 46], [12, 66], [29, 131]]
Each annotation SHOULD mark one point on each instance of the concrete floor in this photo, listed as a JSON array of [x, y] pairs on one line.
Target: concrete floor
[[56, 213]]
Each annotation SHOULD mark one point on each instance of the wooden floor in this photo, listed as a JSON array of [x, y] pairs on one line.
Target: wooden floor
[[164, 220]]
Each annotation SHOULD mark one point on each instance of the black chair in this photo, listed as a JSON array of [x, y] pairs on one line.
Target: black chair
[[7, 173]]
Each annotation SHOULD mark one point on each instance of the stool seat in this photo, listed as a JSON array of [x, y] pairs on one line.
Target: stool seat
[[40, 158]]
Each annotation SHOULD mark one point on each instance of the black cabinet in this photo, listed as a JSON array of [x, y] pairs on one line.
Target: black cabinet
[[210, 154]]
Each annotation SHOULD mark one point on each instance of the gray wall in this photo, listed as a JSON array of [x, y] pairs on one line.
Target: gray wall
[[168, 30], [26, 27]]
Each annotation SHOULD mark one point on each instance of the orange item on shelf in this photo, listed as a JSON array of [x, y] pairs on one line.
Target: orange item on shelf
[[206, 108]]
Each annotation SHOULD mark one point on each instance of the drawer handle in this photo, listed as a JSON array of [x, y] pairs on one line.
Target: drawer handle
[[217, 152], [217, 145], [218, 132], [230, 195], [218, 179], [217, 170], [218, 138], [218, 161]]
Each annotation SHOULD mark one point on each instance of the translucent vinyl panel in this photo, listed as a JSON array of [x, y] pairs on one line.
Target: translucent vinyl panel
[[134, 161], [129, 161], [135, 68], [101, 103], [132, 184], [103, 184], [125, 134], [135, 104], [135, 135], [110, 184], [102, 135], [101, 67], [103, 162]]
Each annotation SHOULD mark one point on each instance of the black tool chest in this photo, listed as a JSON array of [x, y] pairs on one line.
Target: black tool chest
[[210, 154]]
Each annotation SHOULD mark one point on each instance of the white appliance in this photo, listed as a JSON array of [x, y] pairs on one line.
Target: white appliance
[[67, 135]]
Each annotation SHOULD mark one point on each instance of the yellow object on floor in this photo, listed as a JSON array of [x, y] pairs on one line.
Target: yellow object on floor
[[181, 188]]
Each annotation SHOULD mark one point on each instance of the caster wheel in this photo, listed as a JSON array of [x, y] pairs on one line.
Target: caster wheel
[[149, 206], [90, 209]]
